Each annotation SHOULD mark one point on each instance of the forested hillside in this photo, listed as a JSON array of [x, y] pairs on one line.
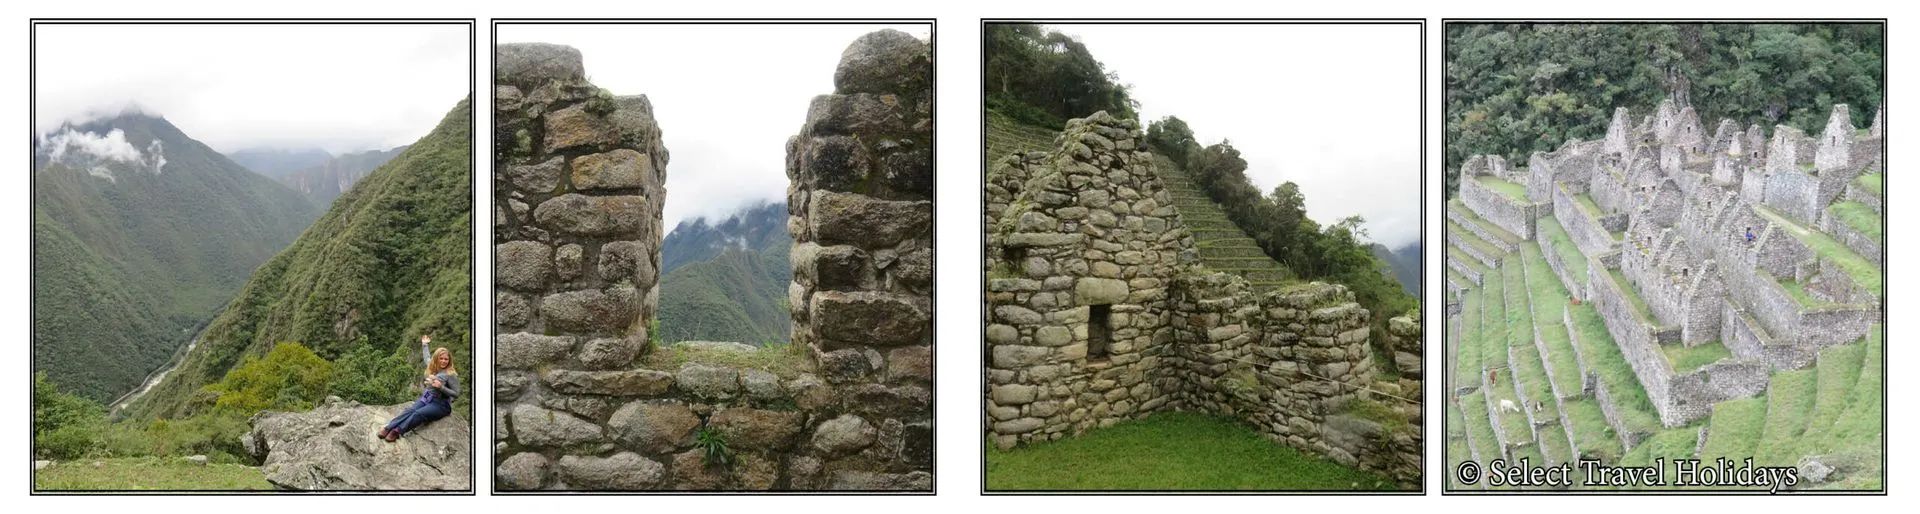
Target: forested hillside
[[727, 280], [140, 234], [390, 261], [1533, 86]]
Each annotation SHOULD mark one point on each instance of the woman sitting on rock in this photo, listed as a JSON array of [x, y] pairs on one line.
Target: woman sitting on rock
[[442, 386]]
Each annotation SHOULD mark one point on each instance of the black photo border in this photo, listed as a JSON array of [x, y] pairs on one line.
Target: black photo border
[[472, 26], [1421, 78]]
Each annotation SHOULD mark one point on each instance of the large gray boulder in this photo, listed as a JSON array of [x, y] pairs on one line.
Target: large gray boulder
[[334, 448]]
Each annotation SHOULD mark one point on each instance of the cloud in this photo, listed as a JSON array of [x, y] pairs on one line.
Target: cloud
[[339, 87], [72, 146]]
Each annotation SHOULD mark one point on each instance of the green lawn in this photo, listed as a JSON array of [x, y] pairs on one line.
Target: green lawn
[[1685, 359], [148, 474], [1860, 217], [1515, 191], [1549, 304], [1588, 426], [1561, 244], [1610, 366], [1170, 451], [1675, 443], [1875, 182], [1734, 429], [1864, 273]]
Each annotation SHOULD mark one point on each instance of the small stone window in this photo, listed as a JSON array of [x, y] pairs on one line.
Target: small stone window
[[1099, 332], [1014, 255]]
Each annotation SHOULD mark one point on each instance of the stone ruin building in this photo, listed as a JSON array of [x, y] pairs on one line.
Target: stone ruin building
[[579, 181], [1098, 311], [1682, 239]]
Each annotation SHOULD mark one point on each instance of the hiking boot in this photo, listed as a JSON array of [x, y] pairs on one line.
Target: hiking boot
[[383, 433], [393, 436]]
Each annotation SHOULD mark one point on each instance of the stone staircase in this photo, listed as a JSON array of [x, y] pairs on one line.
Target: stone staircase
[[1223, 246]]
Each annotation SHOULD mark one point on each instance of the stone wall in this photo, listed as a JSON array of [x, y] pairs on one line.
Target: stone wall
[[1497, 208], [1092, 226], [582, 401], [1098, 312]]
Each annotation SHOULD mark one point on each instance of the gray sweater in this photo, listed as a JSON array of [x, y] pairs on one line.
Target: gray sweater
[[449, 382]]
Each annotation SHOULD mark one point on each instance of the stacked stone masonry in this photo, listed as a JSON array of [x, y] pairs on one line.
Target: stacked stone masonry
[[1661, 212], [1100, 312], [579, 184]]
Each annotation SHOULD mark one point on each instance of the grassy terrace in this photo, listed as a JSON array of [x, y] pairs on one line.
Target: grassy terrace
[[1734, 429], [1676, 443], [1467, 354], [1556, 239], [1549, 300], [1473, 407], [1588, 426], [1798, 292], [1608, 365], [1790, 397], [1468, 260], [1584, 202], [1860, 217], [1875, 182], [1171, 451], [1685, 359], [1006, 136], [1858, 432], [1460, 208], [1511, 190], [1481, 245], [1506, 313], [1864, 273], [1458, 449], [1639, 304]]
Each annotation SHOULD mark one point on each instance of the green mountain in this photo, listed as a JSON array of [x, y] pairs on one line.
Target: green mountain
[[390, 260], [324, 181], [140, 233], [727, 281], [278, 163], [1404, 264]]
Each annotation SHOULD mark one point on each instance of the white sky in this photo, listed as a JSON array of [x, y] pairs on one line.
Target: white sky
[[1333, 108], [727, 97], [342, 88]]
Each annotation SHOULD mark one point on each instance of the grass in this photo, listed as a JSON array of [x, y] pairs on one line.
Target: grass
[[1570, 257], [1473, 240], [1798, 292], [1875, 182], [1467, 355], [148, 474], [1789, 400], [1591, 434], [1864, 273], [1170, 451], [1639, 304], [1676, 443], [1514, 191], [1549, 302], [1459, 208], [1734, 429], [1468, 260], [1684, 359], [1606, 362], [1860, 217], [1473, 407], [785, 360]]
